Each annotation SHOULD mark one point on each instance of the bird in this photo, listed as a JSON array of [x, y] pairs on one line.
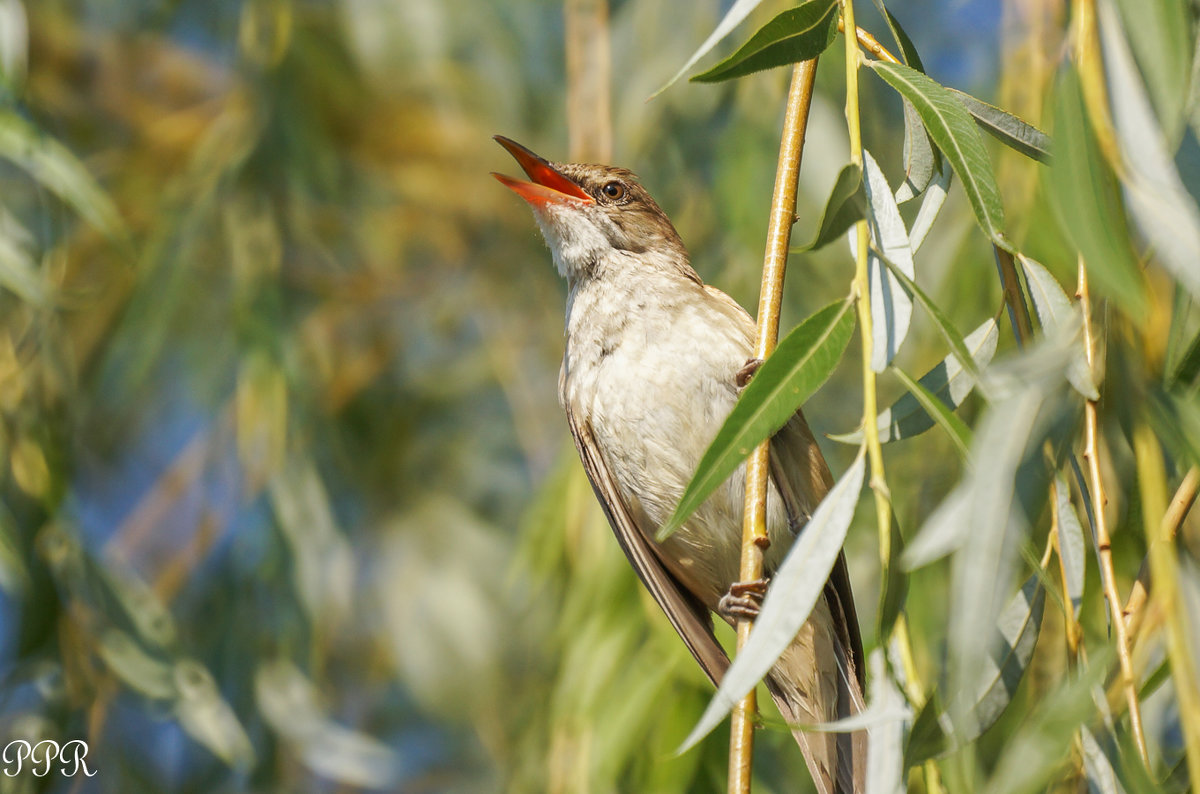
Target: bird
[[653, 363]]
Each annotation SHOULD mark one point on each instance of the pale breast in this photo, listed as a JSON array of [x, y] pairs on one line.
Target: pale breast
[[655, 385]]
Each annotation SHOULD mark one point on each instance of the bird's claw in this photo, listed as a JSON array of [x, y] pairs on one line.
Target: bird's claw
[[744, 600], [744, 374]]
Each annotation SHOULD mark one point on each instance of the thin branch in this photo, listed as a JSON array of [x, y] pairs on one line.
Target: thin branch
[[754, 524], [1177, 511], [1164, 565], [1103, 540]]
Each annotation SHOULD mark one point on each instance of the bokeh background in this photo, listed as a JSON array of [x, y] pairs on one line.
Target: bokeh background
[[288, 502]]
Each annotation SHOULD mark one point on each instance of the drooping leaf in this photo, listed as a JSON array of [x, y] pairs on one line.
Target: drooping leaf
[[947, 382], [846, 206], [891, 307], [207, 717], [798, 34], [997, 679], [934, 408], [1057, 315], [931, 205], [927, 738], [60, 172], [1161, 207], [733, 17], [1161, 33], [1101, 777], [19, 271], [1083, 193], [940, 321], [885, 748], [921, 159], [1072, 547], [789, 376], [1188, 366], [908, 51], [942, 533], [955, 134], [794, 591], [1014, 132]]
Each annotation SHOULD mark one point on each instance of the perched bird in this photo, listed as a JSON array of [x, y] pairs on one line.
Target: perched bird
[[654, 362]]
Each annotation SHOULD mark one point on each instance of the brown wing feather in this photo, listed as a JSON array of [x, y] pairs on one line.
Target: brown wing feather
[[687, 614]]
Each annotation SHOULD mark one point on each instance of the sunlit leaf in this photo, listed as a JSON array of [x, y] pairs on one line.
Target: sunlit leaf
[[940, 321], [798, 34], [1071, 544], [733, 17], [908, 51], [1000, 673], [794, 591], [1161, 207], [53, 165], [847, 205], [885, 748], [143, 672], [931, 205], [207, 717], [948, 382], [955, 134], [1162, 35], [789, 376], [1057, 315], [891, 307], [1083, 192], [936, 410], [1012, 131], [291, 706], [1101, 777]]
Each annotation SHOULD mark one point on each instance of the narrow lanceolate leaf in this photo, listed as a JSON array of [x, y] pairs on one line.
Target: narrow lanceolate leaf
[[908, 51], [846, 206], [885, 747], [59, 171], [891, 307], [1161, 207], [733, 17], [19, 271], [1083, 193], [789, 376], [947, 383], [1162, 36], [1101, 777], [798, 34], [941, 322], [953, 131], [1010, 130], [1057, 315], [794, 591], [921, 159], [1072, 548], [931, 205], [955, 428], [1002, 670]]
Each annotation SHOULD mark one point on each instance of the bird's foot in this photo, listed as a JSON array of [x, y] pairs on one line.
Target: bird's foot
[[744, 600], [744, 374]]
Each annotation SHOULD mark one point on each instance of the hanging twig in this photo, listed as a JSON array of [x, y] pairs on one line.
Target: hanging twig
[[1103, 541], [754, 525]]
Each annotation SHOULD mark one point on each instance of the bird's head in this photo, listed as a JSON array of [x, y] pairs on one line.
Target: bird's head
[[595, 216]]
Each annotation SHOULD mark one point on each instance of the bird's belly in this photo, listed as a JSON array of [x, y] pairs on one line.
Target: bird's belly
[[654, 410]]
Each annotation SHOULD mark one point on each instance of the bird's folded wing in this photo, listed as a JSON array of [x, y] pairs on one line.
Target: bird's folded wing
[[689, 617]]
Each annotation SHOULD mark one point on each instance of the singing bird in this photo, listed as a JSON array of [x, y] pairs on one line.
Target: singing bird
[[654, 362]]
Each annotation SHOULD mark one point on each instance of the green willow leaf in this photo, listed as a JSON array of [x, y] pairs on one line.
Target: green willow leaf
[[733, 17], [1084, 194], [797, 34], [846, 206], [939, 414], [1161, 34], [955, 134], [794, 591], [1056, 313], [789, 376], [940, 320], [1012, 131]]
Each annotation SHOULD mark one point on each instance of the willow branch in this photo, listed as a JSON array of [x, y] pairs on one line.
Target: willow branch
[[1177, 511], [1103, 540], [754, 523]]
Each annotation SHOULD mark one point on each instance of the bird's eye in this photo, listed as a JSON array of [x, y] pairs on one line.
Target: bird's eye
[[613, 190]]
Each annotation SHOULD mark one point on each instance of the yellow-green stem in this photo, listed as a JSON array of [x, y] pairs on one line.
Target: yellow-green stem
[[1164, 567], [770, 301]]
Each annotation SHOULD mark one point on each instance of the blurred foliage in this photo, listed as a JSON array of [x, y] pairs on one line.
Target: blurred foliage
[[287, 503]]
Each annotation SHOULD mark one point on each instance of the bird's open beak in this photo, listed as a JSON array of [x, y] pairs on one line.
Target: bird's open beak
[[548, 186]]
